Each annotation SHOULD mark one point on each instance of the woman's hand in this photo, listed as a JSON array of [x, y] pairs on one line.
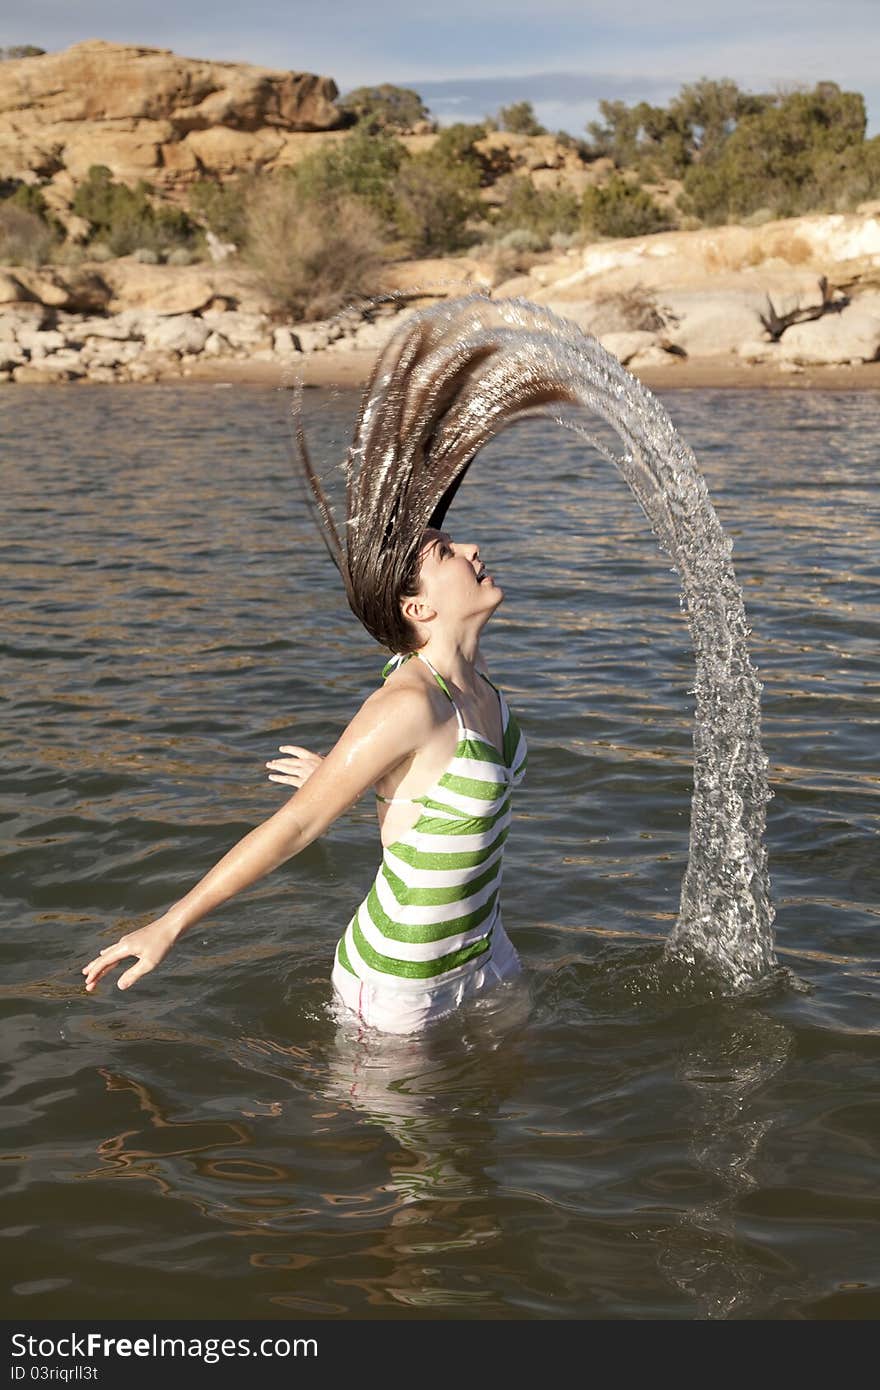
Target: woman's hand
[[296, 769], [150, 944]]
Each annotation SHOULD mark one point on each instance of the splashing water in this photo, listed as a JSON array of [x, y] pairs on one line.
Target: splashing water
[[449, 380]]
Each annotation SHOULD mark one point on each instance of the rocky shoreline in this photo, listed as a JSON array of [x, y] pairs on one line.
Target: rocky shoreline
[[790, 301]]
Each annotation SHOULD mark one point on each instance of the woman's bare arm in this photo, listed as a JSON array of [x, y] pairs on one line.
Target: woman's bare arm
[[390, 725]]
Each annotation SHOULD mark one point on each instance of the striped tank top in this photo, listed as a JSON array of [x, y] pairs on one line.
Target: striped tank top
[[431, 911]]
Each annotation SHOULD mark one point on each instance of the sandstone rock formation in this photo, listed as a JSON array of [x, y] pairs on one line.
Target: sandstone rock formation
[[148, 113]]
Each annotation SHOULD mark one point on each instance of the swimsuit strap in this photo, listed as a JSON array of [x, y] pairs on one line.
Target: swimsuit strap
[[446, 691], [392, 665]]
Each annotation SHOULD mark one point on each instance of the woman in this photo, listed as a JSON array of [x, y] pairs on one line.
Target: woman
[[437, 740], [440, 747]]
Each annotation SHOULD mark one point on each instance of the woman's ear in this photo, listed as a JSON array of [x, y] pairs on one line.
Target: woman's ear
[[417, 610]]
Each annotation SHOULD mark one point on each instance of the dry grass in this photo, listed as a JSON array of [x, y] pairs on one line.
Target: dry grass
[[630, 310], [312, 257], [24, 238]]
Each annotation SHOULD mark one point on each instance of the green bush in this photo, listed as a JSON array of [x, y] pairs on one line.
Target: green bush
[[364, 165], [312, 256], [541, 212], [622, 209], [520, 119], [456, 145], [125, 219], [435, 199], [385, 107], [223, 206], [21, 50]]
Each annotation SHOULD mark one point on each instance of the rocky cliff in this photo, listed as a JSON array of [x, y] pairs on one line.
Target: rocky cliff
[[149, 114]]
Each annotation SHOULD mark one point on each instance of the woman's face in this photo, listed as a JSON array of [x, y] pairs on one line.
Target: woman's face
[[453, 578]]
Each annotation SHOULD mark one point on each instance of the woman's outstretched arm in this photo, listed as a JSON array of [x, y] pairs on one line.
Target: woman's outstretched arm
[[390, 725]]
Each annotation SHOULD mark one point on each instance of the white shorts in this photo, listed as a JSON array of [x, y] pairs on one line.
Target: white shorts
[[407, 1006]]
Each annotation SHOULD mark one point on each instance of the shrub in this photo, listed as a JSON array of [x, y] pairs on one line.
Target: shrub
[[435, 199], [364, 165], [632, 309], [520, 119], [25, 238], [385, 107], [21, 50], [541, 212], [456, 145], [125, 219], [311, 257], [521, 239], [622, 209], [223, 206]]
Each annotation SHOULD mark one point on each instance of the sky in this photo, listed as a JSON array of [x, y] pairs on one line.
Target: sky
[[466, 58]]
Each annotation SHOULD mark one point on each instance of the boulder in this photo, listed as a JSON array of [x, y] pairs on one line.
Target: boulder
[[11, 356], [312, 337], [850, 336], [182, 333], [374, 335], [75, 289], [40, 343], [626, 346], [713, 325], [12, 290], [14, 317], [163, 289], [756, 350], [151, 366], [67, 358], [117, 326], [285, 342], [36, 375], [107, 352], [243, 331], [216, 346], [653, 356]]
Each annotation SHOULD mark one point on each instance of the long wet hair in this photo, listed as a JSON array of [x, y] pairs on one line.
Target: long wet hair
[[446, 382]]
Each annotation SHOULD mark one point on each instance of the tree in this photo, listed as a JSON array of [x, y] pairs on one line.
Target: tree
[[21, 50], [790, 156], [520, 119], [621, 209], [385, 107]]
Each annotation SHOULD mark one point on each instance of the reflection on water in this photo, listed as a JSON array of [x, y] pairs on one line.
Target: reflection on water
[[634, 1144], [726, 1067], [436, 1095]]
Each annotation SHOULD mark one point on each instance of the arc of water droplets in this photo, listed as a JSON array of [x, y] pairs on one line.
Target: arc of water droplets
[[725, 914]]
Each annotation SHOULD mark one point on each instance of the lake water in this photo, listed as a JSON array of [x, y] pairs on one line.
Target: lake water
[[592, 1143]]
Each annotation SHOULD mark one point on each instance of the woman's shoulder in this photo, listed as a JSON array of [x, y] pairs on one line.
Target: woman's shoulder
[[407, 696]]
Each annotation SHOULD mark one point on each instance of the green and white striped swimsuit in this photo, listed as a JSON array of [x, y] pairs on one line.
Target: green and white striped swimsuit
[[429, 932]]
